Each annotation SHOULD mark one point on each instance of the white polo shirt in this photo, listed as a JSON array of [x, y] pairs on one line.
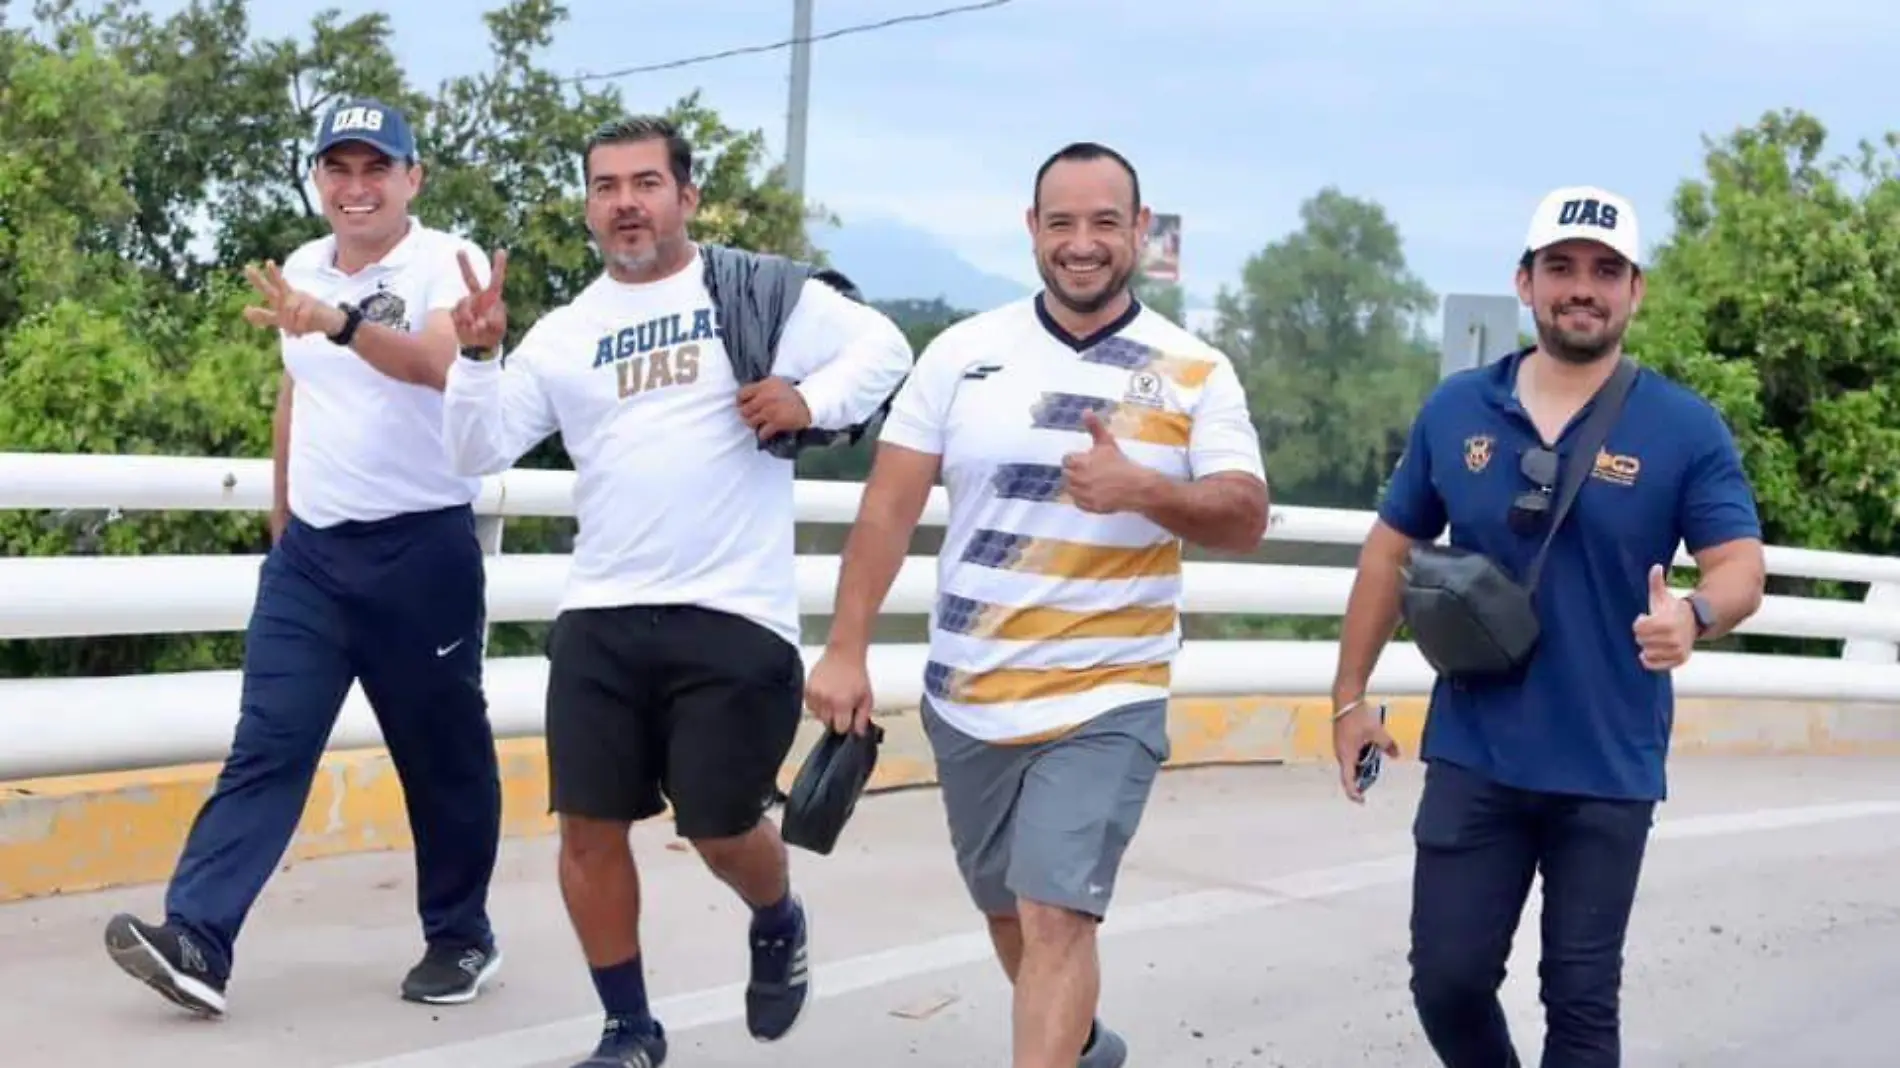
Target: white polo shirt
[[364, 446], [673, 499], [1047, 615]]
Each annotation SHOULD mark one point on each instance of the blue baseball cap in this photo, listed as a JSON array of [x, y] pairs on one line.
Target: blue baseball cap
[[370, 122]]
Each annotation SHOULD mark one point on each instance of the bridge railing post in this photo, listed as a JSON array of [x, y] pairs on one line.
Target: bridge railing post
[[1871, 650]]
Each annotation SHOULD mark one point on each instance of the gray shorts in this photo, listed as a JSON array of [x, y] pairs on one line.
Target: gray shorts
[[1049, 821]]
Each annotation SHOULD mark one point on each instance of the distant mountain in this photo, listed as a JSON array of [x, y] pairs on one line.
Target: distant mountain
[[892, 261]]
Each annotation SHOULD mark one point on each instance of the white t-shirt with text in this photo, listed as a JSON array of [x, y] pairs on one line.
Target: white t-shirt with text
[[674, 500]]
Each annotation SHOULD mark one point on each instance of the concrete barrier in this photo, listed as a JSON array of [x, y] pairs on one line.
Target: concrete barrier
[[88, 832]]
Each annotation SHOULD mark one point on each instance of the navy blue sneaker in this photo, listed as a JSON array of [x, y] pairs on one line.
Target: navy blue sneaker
[[627, 1044], [781, 979], [1105, 1050], [167, 960]]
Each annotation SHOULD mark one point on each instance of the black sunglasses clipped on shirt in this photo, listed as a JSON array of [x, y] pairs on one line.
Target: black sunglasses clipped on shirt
[[1531, 508]]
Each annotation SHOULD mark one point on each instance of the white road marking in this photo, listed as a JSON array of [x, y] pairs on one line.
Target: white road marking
[[529, 1046]]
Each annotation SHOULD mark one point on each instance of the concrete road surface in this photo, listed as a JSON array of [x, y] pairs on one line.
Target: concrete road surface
[[1261, 922]]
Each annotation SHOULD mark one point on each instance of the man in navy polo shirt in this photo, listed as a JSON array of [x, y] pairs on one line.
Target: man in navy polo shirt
[[375, 577], [1558, 768]]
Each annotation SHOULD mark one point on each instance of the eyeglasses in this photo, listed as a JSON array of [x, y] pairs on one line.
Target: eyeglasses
[[1531, 508]]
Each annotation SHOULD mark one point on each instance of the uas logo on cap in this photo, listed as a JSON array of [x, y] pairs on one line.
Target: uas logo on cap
[[357, 119], [1587, 212]]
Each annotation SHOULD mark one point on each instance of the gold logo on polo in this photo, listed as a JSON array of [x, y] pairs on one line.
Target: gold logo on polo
[[1478, 452], [1620, 470]]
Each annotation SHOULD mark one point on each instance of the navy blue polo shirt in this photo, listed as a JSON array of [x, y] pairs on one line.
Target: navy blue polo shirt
[[1584, 716]]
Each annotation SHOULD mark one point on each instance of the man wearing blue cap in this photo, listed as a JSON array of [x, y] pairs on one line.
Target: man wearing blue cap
[[375, 577]]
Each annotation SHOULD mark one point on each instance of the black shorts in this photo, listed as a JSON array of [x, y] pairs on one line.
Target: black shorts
[[649, 704]]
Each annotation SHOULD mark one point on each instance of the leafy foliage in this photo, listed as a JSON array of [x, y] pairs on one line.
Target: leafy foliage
[[1774, 298], [144, 161], [1325, 332]]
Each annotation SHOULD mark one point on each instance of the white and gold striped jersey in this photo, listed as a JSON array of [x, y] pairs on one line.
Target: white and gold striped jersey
[[1047, 615]]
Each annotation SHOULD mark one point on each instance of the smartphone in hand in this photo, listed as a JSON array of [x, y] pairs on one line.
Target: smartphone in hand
[[1370, 762]]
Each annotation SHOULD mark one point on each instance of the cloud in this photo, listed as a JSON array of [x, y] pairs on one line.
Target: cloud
[[1236, 110]]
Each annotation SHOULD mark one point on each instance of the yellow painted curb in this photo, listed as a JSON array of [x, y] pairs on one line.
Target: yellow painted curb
[[86, 832]]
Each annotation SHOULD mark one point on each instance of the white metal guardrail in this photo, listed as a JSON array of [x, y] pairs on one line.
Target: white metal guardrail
[[70, 725]]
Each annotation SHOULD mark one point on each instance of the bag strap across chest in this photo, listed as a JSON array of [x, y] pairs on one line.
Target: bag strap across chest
[[1590, 438]]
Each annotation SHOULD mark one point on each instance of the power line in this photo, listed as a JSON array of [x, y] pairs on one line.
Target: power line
[[165, 132], [776, 46]]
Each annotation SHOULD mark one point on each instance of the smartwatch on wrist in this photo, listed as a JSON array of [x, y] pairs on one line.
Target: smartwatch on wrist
[[352, 318], [1704, 613]]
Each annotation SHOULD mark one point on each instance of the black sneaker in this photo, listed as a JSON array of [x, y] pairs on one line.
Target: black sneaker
[[168, 961], [781, 980], [450, 975], [626, 1044]]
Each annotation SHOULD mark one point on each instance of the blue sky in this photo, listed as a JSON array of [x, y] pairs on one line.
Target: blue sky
[[1456, 117]]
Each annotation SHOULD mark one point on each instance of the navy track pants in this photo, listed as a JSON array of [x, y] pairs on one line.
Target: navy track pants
[[398, 605]]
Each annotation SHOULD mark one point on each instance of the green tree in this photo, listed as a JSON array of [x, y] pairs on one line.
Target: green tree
[[145, 160], [1774, 298], [1325, 331]]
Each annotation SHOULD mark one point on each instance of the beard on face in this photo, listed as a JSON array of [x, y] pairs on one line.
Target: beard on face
[[615, 249], [1114, 279], [1584, 346]]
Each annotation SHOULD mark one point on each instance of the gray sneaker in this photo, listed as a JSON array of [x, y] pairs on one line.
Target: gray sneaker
[[1107, 1051]]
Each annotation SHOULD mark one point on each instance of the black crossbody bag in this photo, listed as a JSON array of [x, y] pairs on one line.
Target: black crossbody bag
[[1468, 617]]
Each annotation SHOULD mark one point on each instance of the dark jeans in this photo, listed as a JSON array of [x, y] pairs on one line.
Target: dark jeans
[[399, 606], [1478, 845]]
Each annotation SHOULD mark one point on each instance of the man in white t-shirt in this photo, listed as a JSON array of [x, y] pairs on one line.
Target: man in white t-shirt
[[1081, 438], [375, 576], [675, 672]]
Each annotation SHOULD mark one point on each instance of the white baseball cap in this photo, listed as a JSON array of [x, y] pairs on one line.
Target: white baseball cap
[[1587, 213]]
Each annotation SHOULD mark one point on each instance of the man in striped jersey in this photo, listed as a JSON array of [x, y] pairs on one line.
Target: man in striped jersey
[[1082, 438]]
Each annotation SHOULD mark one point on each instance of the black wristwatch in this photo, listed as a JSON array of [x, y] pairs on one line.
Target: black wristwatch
[[352, 318], [473, 352], [1704, 613]]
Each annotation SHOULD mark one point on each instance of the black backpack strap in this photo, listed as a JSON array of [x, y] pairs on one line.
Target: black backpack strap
[[1596, 429]]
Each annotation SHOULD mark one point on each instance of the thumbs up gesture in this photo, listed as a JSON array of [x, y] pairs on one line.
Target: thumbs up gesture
[[1666, 633], [1102, 478]]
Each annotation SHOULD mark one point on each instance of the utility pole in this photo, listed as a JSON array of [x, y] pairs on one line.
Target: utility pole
[[800, 96]]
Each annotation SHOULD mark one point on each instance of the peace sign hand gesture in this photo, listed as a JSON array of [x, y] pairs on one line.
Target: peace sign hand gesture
[[481, 318], [293, 311]]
